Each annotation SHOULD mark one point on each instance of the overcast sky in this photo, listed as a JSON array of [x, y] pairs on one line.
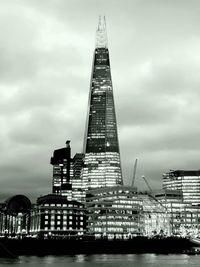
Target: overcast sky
[[46, 51]]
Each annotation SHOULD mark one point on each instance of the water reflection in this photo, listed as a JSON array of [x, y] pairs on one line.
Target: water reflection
[[104, 260]]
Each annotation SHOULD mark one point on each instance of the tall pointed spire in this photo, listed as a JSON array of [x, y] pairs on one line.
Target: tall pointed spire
[[101, 34], [102, 166]]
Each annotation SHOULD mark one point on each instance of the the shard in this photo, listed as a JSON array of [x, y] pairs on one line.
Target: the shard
[[102, 166]]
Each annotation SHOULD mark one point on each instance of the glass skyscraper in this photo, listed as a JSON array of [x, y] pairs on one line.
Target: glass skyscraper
[[102, 166]]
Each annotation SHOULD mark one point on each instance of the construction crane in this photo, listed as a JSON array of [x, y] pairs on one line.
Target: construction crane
[[134, 172], [150, 189]]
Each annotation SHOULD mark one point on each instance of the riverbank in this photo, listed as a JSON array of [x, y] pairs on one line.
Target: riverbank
[[30, 246]]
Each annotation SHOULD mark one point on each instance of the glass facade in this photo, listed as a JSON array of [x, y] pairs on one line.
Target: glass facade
[[155, 219], [102, 157], [186, 181], [113, 212], [184, 217]]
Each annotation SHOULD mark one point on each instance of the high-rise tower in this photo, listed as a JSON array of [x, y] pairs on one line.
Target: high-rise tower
[[102, 165]]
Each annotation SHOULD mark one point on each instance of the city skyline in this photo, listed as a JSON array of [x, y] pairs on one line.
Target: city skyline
[[45, 74]]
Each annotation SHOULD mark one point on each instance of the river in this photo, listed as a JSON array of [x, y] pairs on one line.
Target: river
[[104, 260]]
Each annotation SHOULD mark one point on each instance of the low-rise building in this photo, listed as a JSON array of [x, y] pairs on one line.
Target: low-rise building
[[55, 216], [15, 216]]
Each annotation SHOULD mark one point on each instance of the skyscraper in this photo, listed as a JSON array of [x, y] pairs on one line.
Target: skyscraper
[[102, 166]]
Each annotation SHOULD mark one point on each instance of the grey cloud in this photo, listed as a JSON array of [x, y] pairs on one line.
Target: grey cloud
[[46, 56]]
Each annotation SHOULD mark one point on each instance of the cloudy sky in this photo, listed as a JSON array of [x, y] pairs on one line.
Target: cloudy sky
[[46, 50]]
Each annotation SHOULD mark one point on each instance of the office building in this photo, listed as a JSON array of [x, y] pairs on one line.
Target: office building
[[55, 216], [102, 166], [61, 162], [67, 174], [188, 181], [184, 217], [113, 212], [155, 219]]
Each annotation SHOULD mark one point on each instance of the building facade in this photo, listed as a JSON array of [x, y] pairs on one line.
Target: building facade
[[184, 217], [188, 181], [102, 166], [62, 171], [67, 174], [113, 212], [121, 212], [55, 216], [15, 216], [155, 219]]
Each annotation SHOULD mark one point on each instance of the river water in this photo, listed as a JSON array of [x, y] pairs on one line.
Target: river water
[[125, 260]]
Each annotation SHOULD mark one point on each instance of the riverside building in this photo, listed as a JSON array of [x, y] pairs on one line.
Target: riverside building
[[113, 212], [15, 216], [155, 218], [55, 216], [184, 217]]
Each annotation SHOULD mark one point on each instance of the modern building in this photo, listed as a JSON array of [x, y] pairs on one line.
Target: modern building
[[121, 212], [188, 181], [62, 175], [102, 166], [78, 186], [113, 212], [184, 217], [55, 216], [155, 219], [67, 174]]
